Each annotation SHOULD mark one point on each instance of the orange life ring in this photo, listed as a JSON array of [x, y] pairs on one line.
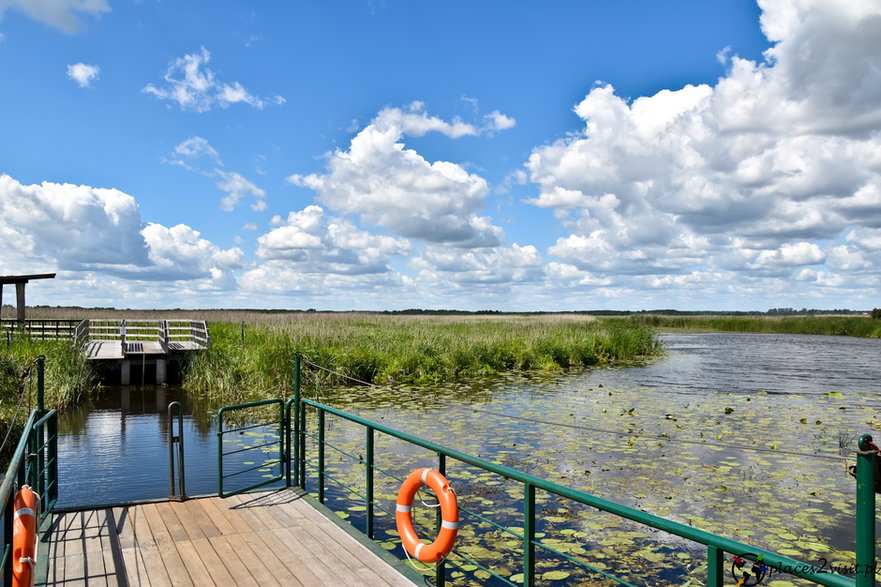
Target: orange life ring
[[443, 544], [24, 537]]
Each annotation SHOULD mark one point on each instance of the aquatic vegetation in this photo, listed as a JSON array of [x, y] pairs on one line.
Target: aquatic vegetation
[[763, 469], [250, 361]]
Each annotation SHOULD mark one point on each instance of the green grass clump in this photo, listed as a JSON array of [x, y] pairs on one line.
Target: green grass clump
[[68, 380], [405, 349], [860, 326]]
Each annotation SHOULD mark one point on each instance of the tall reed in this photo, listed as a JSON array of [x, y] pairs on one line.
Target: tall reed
[[68, 380], [405, 349], [861, 326]]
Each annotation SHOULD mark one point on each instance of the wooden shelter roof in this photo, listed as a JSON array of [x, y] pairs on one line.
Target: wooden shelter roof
[[4, 279]]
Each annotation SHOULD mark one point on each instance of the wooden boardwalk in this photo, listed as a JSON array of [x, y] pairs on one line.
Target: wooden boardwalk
[[269, 538]]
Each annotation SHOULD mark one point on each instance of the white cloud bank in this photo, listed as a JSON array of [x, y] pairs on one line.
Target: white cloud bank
[[774, 173], [84, 231]]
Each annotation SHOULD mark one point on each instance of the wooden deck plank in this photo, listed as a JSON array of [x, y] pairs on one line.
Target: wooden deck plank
[[268, 538], [313, 570], [189, 523], [223, 524], [196, 569], [135, 570], [212, 562], [174, 565], [269, 559], [237, 568], [145, 543]]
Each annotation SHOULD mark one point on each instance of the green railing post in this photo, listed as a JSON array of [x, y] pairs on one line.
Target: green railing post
[[440, 570], [32, 459], [865, 513], [302, 446], [53, 460], [715, 567], [528, 535], [220, 453], [41, 407], [175, 408], [321, 456], [295, 458], [369, 481], [288, 457]]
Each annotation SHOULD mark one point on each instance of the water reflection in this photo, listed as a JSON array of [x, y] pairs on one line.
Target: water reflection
[[115, 448]]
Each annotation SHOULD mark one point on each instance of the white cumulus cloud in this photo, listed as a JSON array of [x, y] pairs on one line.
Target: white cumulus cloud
[[394, 187], [83, 74], [81, 230], [760, 174]]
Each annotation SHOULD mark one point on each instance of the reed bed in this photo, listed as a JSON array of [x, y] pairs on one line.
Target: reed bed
[[860, 326], [68, 380], [249, 360]]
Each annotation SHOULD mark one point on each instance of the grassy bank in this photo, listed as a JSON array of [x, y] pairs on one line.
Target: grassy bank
[[861, 326], [406, 349], [68, 380]]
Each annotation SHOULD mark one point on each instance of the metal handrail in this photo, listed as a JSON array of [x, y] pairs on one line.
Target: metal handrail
[[223, 492], [35, 463], [176, 440], [716, 546]]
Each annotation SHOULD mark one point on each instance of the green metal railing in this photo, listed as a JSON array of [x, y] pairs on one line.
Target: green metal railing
[[176, 441], [34, 463], [247, 426], [716, 546]]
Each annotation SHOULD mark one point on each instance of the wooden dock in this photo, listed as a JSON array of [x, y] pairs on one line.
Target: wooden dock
[[267, 538]]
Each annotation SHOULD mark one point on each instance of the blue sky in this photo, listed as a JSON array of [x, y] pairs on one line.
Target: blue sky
[[386, 155]]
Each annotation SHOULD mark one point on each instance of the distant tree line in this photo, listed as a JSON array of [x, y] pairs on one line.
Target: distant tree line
[[875, 313]]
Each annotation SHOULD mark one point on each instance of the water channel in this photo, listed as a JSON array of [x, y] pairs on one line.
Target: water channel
[[739, 434]]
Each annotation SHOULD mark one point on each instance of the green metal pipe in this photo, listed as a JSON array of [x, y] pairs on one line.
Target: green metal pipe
[[53, 460], [368, 472], [715, 567], [302, 443], [440, 569], [220, 452], [321, 456], [528, 535], [296, 456], [865, 513]]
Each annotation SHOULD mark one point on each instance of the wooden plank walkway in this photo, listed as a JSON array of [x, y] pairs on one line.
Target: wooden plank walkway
[[268, 538], [104, 349]]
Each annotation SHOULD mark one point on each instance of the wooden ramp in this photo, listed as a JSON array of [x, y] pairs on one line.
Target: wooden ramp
[[269, 538]]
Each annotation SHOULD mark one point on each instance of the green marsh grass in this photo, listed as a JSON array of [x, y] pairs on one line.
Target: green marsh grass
[[246, 363], [68, 380], [861, 326]]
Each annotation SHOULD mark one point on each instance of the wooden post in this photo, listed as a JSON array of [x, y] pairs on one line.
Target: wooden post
[[19, 296], [160, 371], [125, 372]]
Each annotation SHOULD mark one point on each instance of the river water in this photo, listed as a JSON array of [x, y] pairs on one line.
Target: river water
[[745, 435]]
